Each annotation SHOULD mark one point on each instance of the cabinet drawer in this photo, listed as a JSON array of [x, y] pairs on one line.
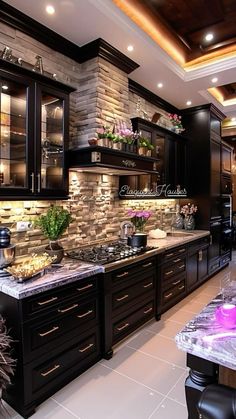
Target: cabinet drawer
[[173, 281], [55, 367], [120, 276], [48, 300], [122, 297], [176, 266], [124, 326], [174, 254], [213, 266], [68, 318], [171, 293]]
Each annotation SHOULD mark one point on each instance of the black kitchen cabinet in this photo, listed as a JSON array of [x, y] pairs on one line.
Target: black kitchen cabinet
[[128, 301], [34, 134], [226, 160], [197, 263], [56, 337], [171, 151]]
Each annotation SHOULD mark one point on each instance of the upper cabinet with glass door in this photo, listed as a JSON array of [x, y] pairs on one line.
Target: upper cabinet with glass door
[[34, 132]]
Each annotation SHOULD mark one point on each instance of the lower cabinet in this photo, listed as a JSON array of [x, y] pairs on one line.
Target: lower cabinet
[[129, 301], [197, 263], [57, 336]]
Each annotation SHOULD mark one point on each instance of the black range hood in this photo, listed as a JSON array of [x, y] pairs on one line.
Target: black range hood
[[108, 161]]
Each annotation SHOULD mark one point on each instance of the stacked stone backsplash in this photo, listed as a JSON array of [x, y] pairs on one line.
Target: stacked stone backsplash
[[96, 209]]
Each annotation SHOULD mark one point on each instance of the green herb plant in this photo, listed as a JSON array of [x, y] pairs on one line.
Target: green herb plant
[[54, 222]]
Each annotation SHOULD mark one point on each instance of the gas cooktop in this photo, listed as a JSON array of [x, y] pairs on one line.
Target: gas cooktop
[[107, 253]]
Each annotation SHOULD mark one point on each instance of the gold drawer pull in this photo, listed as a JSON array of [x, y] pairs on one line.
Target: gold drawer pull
[[64, 310], [181, 266], [122, 327], [168, 295], [49, 331], [169, 255], [169, 272], [181, 250], [44, 374], [148, 310], [86, 348], [122, 298], [148, 285], [177, 260], [147, 264], [42, 303], [180, 288], [121, 275], [80, 316], [85, 288], [177, 282]]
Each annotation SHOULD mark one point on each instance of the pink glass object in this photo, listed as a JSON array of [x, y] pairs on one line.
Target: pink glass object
[[226, 315]]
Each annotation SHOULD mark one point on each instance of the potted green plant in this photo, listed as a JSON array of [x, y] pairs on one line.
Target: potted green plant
[[150, 148], [142, 146], [117, 142], [53, 224]]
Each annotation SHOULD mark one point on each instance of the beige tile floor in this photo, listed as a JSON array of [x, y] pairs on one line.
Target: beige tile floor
[[144, 379]]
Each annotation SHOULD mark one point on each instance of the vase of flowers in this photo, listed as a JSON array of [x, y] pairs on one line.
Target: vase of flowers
[[188, 212], [139, 219], [105, 136], [176, 123]]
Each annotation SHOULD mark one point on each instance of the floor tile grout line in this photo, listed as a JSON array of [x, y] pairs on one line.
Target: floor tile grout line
[[156, 357], [65, 408]]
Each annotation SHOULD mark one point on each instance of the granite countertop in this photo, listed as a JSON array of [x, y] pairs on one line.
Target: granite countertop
[[206, 338], [73, 270]]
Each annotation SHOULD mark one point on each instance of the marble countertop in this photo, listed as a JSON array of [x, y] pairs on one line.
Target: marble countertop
[[73, 270], [206, 338]]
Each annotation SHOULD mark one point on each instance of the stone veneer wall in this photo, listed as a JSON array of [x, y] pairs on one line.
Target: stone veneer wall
[[102, 97]]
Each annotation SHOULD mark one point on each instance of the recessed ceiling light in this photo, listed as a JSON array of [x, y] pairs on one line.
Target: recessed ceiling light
[[188, 103], [160, 85], [209, 36], [233, 119], [130, 48], [50, 9], [4, 87], [214, 80]]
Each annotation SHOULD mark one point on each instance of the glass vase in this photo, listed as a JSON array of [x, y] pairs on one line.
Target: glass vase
[[189, 222]]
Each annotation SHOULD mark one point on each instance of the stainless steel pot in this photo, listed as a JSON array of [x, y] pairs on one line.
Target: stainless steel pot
[[7, 255]]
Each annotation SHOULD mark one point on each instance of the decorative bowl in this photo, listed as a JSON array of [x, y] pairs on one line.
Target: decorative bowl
[[28, 268], [226, 315], [7, 255]]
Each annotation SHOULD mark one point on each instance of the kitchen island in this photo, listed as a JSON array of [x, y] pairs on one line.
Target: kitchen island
[[210, 347]]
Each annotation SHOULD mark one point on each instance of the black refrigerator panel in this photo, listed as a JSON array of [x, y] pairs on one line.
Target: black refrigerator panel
[[215, 231]]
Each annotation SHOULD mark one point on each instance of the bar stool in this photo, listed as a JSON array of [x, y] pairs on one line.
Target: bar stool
[[217, 402]]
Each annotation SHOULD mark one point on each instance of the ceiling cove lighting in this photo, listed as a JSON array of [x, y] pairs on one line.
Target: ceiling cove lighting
[[209, 37], [188, 103], [4, 87], [214, 80], [159, 85], [50, 9], [130, 48]]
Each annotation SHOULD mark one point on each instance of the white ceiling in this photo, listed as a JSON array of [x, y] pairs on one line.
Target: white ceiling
[[82, 21]]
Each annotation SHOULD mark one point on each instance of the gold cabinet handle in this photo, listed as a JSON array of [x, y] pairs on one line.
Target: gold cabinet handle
[[168, 295], [169, 255], [176, 283], [64, 310], [147, 285], [86, 348], [180, 288], [42, 303], [122, 327], [44, 374], [80, 316], [168, 273], [49, 331], [122, 298], [181, 266], [147, 264], [177, 260], [181, 250], [200, 256], [148, 310], [85, 288], [121, 275], [39, 182], [32, 182]]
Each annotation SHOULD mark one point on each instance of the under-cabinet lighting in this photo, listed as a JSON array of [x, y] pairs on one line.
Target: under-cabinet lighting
[[209, 37], [233, 119], [50, 9]]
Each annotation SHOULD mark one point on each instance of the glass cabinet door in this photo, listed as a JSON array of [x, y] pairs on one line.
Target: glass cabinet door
[[15, 144], [51, 144]]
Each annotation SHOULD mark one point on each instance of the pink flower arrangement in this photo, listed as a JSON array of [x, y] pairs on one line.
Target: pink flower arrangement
[[139, 218], [189, 209], [176, 120]]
